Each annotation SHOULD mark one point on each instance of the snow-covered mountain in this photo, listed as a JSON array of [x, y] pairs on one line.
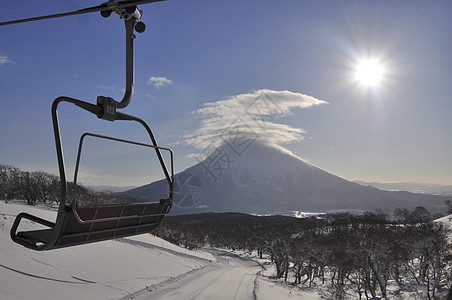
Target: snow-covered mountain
[[260, 179]]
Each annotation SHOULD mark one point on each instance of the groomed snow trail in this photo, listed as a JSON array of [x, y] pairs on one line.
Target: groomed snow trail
[[231, 277]]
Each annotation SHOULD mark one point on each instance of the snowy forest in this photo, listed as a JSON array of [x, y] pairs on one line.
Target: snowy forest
[[33, 187], [358, 255]]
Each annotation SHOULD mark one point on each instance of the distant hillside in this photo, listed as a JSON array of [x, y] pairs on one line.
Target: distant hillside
[[413, 187]]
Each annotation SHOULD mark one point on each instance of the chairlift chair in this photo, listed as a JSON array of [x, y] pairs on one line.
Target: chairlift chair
[[75, 224]]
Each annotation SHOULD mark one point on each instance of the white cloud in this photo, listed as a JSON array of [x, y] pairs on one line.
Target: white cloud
[[250, 116], [110, 88], [159, 82], [5, 60]]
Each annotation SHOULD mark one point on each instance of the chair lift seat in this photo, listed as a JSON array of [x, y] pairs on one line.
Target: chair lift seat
[[100, 223], [86, 224]]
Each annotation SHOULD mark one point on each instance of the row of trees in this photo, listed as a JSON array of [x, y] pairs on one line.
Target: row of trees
[[33, 187], [41, 187], [356, 255]]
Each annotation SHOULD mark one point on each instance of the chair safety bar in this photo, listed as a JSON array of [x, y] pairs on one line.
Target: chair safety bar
[[98, 219]]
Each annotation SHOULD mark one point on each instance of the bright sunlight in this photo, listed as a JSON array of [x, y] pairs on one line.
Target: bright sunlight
[[369, 72]]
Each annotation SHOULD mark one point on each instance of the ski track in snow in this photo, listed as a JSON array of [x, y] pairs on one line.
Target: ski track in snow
[[231, 277], [45, 278], [136, 243]]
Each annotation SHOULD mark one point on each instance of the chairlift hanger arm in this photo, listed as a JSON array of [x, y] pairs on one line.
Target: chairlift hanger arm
[[128, 11], [107, 6]]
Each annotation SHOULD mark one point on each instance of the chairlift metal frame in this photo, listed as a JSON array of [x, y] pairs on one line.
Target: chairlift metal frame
[[76, 225]]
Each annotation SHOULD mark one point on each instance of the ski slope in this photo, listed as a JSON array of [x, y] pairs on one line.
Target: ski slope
[[105, 270], [139, 267], [230, 277]]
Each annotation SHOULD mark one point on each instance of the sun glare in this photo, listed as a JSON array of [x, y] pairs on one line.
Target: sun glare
[[369, 72]]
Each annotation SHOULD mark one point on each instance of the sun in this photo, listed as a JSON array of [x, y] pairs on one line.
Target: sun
[[369, 72]]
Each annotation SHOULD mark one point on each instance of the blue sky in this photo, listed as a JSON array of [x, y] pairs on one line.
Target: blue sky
[[212, 51]]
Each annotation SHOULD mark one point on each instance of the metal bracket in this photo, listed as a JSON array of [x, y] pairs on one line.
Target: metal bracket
[[109, 106], [130, 15]]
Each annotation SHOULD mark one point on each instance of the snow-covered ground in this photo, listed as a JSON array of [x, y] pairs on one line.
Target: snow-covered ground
[[139, 267], [232, 276], [105, 270]]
